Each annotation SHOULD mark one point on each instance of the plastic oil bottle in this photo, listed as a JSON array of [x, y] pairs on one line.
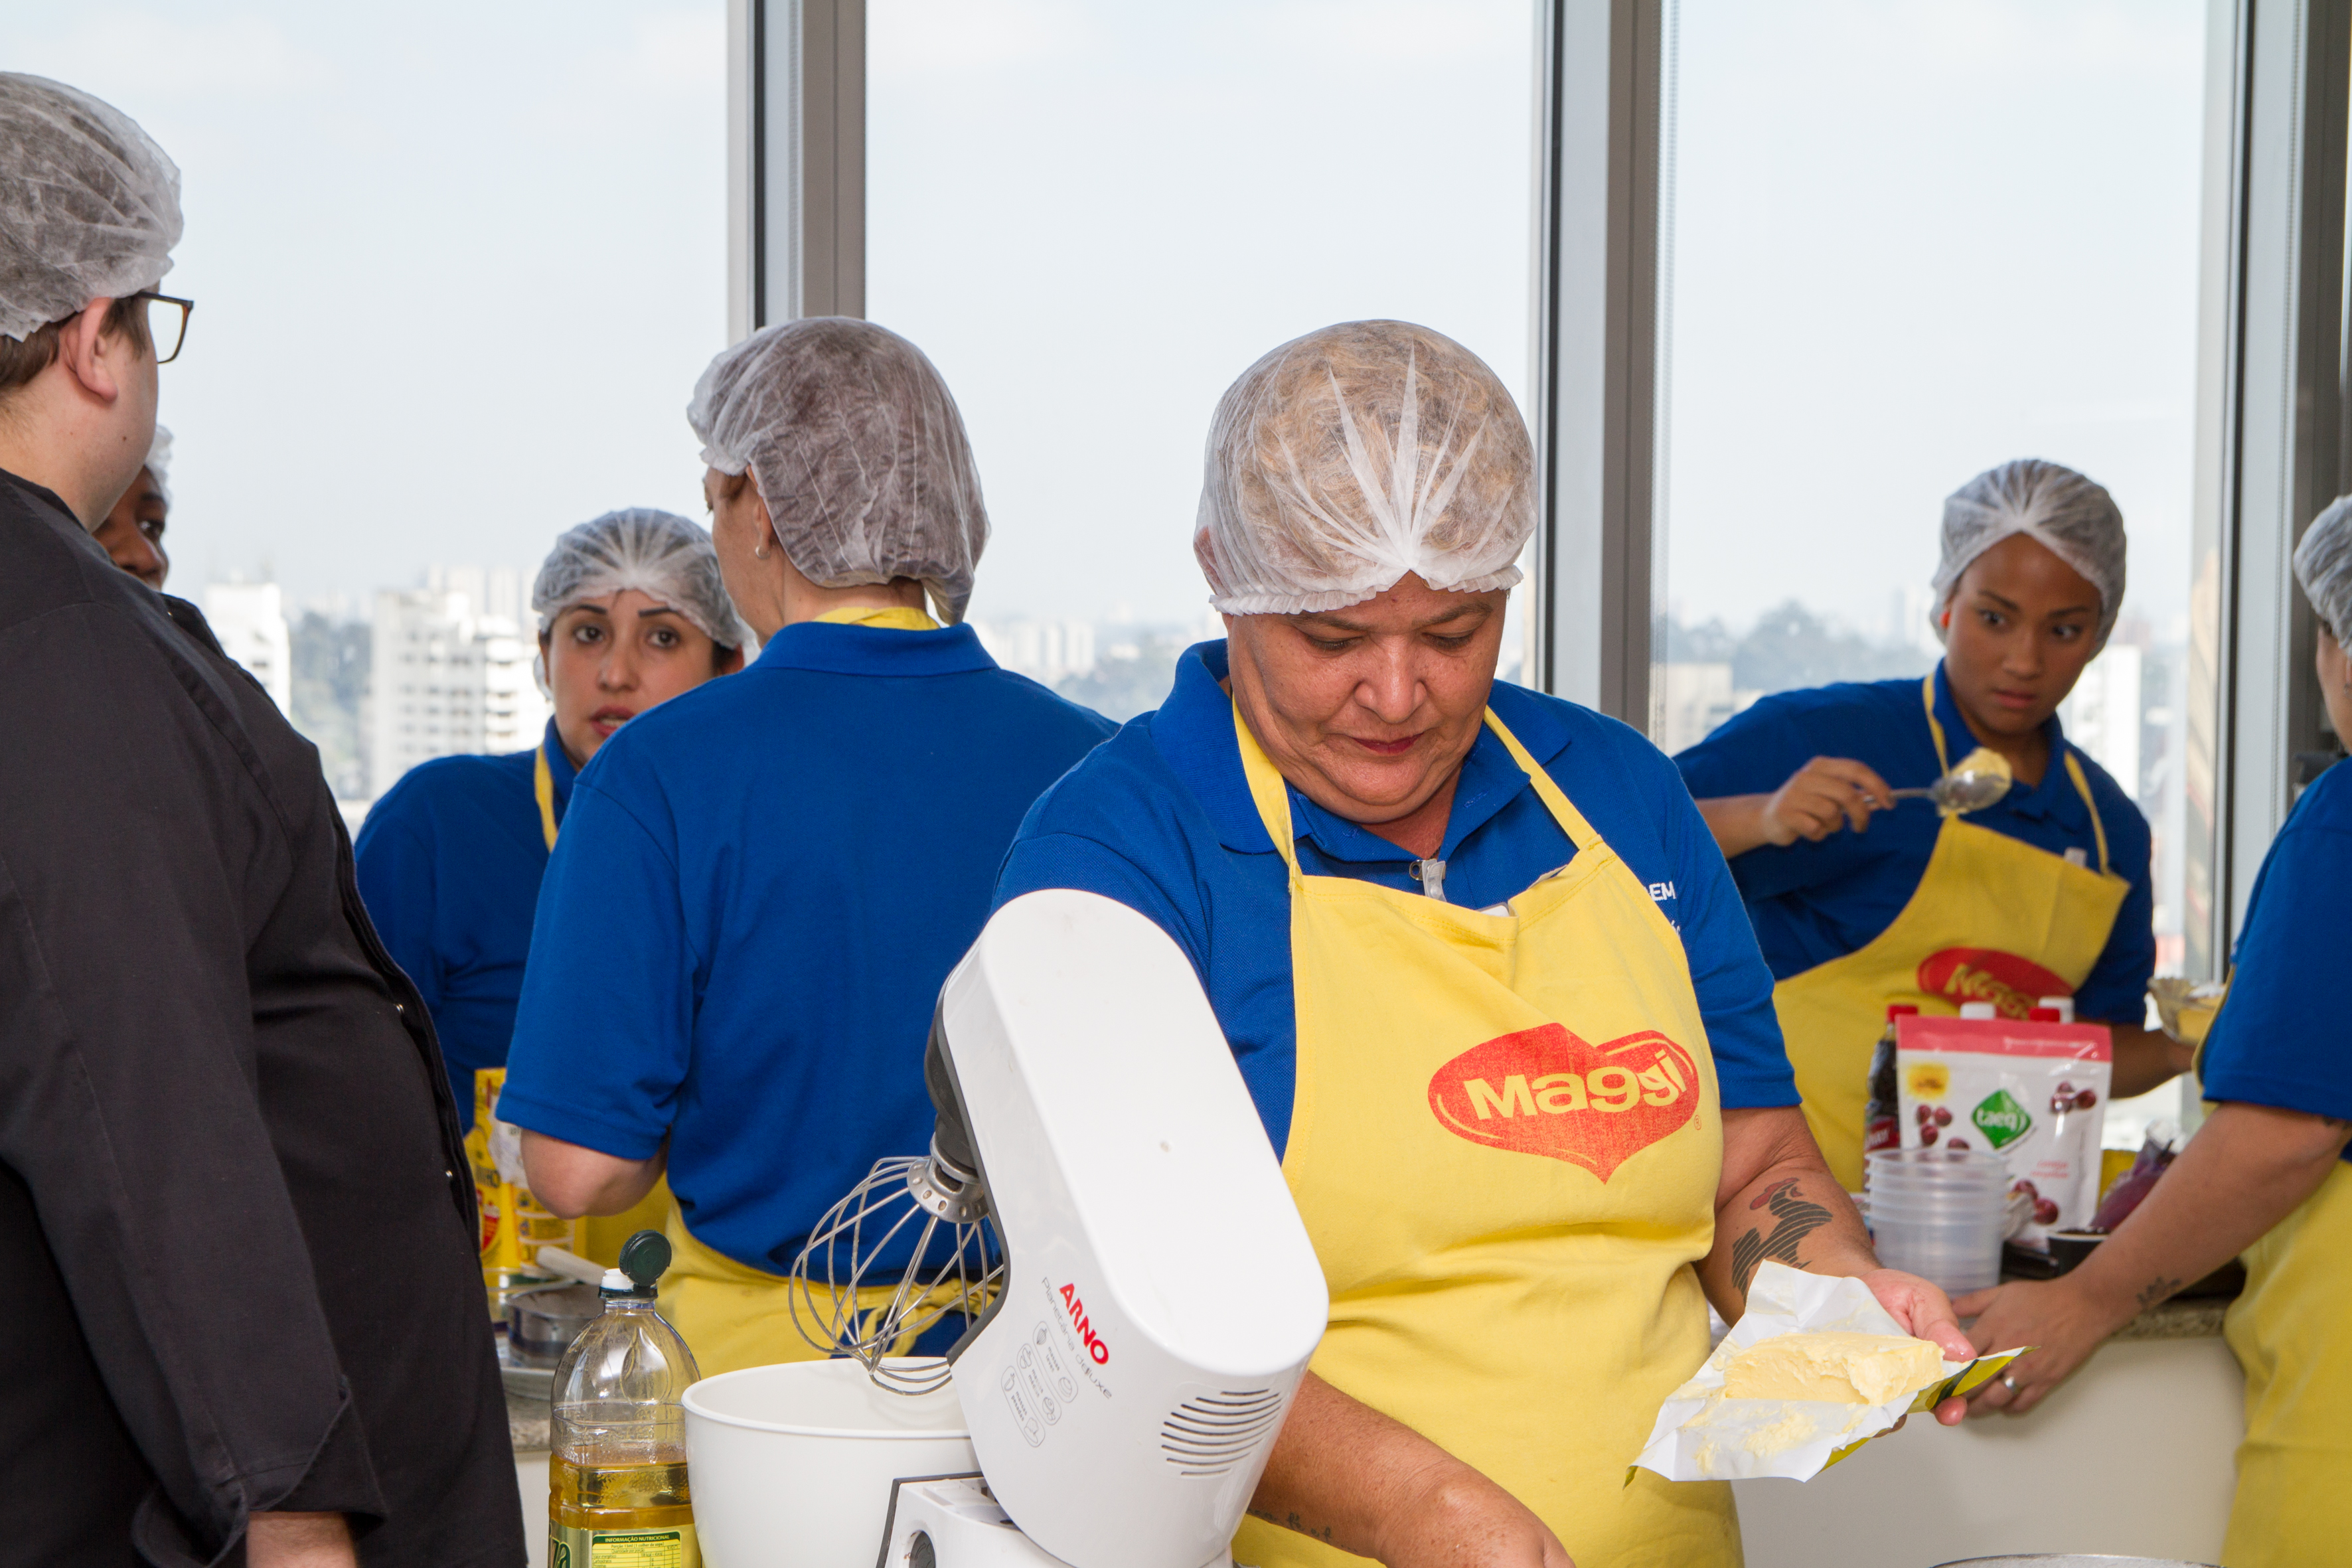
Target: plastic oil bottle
[[617, 1490]]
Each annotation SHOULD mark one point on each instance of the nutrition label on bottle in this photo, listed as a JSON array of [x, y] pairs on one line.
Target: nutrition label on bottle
[[572, 1548]]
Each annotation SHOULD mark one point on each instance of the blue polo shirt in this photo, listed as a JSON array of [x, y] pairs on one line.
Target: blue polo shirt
[[1162, 820], [761, 887], [449, 862], [2282, 1038], [1813, 903]]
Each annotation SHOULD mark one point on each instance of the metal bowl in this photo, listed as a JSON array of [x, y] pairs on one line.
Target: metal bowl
[[542, 1323], [2074, 1560]]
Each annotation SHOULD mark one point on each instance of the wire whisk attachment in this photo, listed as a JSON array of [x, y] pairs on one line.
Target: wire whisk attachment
[[910, 1243]]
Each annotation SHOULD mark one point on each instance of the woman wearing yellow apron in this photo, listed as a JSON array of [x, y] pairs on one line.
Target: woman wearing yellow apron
[[762, 886], [1485, 976], [2266, 1176], [1860, 899], [631, 613]]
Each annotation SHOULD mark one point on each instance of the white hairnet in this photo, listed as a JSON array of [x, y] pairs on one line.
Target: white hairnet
[[660, 553], [1347, 457], [89, 206], [2323, 564], [159, 462], [858, 450], [2072, 517]]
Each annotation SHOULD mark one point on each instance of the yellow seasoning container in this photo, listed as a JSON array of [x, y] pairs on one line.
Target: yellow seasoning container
[[515, 1225], [618, 1495]]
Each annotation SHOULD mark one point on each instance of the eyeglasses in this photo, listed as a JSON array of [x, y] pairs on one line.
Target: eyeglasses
[[167, 322]]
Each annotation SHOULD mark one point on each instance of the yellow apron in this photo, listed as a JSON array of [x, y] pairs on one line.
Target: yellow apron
[[1505, 1141], [1992, 920], [734, 1316], [601, 1235], [2293, 1507]]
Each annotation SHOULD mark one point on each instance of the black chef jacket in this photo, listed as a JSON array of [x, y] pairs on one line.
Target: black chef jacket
[[237, 1246]]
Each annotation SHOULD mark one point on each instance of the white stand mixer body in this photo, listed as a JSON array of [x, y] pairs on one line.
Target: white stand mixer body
[[1161, 1297]]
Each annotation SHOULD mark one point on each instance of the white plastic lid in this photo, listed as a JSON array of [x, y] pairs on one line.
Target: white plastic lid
[[1978, 1010], [615, 1280], [2065, 1005]]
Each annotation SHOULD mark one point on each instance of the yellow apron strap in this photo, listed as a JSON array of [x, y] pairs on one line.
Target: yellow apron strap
[[892, 617], [542, 788], [1579, 832], [2074, 769], [1266, 788], [2083, 788], [1927, 699]]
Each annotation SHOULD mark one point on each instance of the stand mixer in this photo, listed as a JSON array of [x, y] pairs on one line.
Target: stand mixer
[[1101, 1199]]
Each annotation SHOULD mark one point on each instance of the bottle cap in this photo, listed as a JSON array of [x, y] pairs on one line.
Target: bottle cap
[[1978, 1010], [1901, 1010], [645, 1255], [2045, 1016], [2063, 1005]]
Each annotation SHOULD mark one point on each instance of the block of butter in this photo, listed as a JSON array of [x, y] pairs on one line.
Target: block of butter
[[1834, 1367], [1813, 1370]]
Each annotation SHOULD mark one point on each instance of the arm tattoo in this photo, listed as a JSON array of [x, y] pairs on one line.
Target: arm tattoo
[[2156, 1289], [1796, 1217], [1293, 1522]]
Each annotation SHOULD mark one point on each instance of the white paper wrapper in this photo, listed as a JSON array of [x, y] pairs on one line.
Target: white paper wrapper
[[1703, 1436]]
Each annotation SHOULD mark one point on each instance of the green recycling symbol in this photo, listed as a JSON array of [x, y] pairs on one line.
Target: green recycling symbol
[[2001, 1119]]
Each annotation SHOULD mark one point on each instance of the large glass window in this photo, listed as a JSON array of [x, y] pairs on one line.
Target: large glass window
[[457, 268], [1094, 215], [1910, 241]]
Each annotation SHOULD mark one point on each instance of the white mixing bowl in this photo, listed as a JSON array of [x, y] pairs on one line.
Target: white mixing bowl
[[792, 1465]]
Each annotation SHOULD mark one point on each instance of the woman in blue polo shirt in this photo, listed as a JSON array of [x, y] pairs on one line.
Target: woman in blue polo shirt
[[762, 884], [2266, 1176], [631, 613], [1860, 900], [1484, 975]]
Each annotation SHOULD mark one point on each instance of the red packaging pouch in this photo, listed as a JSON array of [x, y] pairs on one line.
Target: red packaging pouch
[[2033, 1091]]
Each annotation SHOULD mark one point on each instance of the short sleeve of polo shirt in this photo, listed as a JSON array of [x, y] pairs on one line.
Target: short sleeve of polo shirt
[[603, 1032], [2282, 1038]]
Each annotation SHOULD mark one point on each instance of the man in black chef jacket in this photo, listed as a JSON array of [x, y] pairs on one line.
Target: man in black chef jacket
[[244, 1310]]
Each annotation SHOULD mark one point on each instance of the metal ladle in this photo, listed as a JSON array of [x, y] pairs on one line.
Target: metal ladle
[[1980, 779]]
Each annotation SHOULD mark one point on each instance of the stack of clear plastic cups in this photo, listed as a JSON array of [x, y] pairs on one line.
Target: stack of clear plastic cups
[[1941, 1214]]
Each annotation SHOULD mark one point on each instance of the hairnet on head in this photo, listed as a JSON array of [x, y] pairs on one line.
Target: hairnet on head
[[89, 206], [2072, 517], [159, 462], [2323, 564], [660, 553], [1347, 457], [858, 450]]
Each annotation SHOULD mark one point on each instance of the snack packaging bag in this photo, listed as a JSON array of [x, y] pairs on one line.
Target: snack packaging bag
[[2034, 1092], [1704, 1436]]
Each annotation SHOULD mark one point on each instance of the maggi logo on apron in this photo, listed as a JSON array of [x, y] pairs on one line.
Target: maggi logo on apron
[[2014, 985], [1545, 1091]]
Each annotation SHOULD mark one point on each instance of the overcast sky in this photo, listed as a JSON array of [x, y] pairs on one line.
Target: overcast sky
[[1911, 241], [459, 265]]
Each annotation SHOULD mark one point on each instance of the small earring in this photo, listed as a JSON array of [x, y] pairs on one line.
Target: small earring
[[760, 550]]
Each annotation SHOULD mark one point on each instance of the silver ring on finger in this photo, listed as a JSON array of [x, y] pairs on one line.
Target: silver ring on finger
[[2008, 1383]]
